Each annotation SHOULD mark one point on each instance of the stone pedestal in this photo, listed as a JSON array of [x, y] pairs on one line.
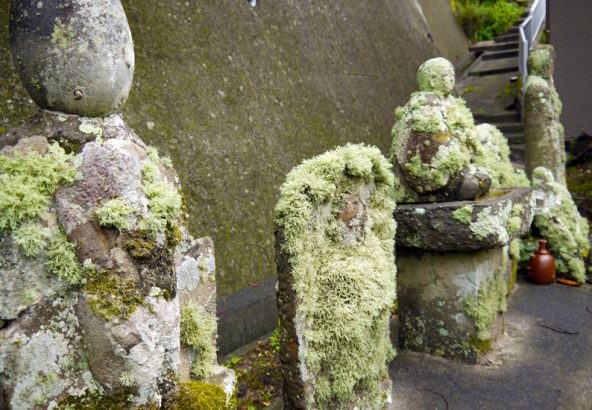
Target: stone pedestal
[[454, 271]]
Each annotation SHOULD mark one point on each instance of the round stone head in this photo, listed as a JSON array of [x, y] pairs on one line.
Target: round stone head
[[73, 56], [436, 75], [541, 61]]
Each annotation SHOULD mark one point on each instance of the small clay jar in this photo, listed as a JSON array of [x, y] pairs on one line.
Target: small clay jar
[[541, 266]]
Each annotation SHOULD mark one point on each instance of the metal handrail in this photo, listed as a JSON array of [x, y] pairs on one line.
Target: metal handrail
[[528, 32]]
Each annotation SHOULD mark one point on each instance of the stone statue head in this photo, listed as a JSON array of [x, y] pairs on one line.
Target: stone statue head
[[436, 75], [541, 61]]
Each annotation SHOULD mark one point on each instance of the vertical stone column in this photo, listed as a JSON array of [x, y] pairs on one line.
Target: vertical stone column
[[336, 273], [196, 290], [544, 135]]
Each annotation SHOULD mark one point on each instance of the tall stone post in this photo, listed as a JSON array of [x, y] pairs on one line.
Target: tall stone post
[[92, 229], [336, 273], [544, 135]]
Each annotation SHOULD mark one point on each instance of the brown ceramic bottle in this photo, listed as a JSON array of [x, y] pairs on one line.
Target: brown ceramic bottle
[[541, 266]]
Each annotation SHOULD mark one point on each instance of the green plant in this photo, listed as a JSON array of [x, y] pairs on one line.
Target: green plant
[[486, 19]]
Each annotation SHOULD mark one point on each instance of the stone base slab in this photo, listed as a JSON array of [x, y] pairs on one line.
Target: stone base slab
[[432, 288]]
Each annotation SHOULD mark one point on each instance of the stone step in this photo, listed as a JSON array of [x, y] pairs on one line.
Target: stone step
[[515, 138], [490, 67], [508, 116], [504, 38], [510, 127], [512, 30], [496, 55], [482, 46], [517, 153]]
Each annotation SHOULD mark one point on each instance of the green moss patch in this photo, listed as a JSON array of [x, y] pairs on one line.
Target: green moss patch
[[63, 262], [109, 295], [200, 395]]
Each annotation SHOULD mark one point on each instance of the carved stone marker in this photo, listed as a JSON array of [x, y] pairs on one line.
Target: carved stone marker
[[94, 252], [544, 135], [336, 272]]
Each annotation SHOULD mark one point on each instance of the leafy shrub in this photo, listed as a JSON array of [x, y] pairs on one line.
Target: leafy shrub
[[486, 19]]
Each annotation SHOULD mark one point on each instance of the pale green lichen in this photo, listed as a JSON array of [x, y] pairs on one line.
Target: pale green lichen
[[342, 285], [31, 238], [464, 214], [116, 213], [484, 308], [490, 223], [28, 182], [127, 379], [63, 262], [541, 61], [436, 75], [164, 201], [493, 153], [560, 223], [198, 329]]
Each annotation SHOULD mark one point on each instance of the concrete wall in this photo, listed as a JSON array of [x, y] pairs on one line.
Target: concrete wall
[[570, 34], [237, 96]]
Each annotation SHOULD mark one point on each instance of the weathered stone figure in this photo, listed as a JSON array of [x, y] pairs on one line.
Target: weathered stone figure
[[336, 272], [94, 254], [432, 143], [559, 222], [544, 135], [438, 153], [452, 254]]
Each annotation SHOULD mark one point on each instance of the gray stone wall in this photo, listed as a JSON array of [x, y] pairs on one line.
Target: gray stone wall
[[237, 96], [570, 34]]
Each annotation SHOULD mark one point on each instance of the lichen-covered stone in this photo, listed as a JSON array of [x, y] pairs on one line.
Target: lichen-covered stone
[[438, 153], [559, 222], [450, 304], [67, 246], [489, 222], [334, 250], [544, 135], [74, 56], [492, 153]]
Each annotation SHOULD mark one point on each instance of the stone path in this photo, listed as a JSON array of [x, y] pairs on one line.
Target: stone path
[[490, 88], [543, 361]]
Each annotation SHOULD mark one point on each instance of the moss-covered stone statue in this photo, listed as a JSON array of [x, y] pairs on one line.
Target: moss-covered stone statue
[[559, 222], [101, 284], [334, 250], [438, 153], [544, 135]]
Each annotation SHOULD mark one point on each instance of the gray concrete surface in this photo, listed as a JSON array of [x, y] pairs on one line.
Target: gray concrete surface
[[543, 362], [571, 36]]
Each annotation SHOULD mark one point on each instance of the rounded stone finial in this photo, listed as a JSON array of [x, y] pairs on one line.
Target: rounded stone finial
[[73, 56], [541, 61], [436, 75]]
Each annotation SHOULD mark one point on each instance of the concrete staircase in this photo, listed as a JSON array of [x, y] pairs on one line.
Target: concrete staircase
[[490, 87]]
